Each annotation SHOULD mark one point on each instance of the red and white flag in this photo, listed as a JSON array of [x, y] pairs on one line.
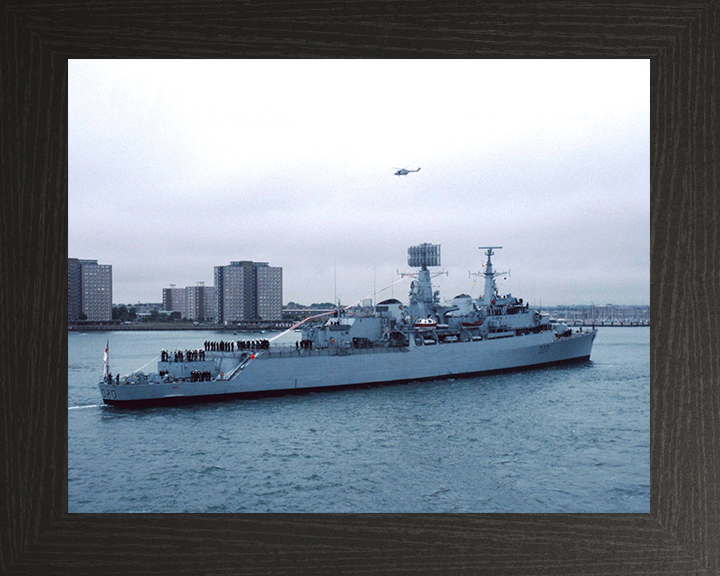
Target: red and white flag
[[105, 359]]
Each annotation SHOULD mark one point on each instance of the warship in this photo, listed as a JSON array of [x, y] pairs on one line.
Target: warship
[[425, 339]]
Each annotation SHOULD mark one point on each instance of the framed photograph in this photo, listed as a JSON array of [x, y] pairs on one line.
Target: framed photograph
[[674, 530]]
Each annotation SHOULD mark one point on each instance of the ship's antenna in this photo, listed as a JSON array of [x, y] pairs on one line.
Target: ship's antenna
[[335, 279], [489, 249]]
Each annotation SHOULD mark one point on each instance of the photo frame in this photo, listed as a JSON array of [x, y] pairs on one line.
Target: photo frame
[[682, 531]]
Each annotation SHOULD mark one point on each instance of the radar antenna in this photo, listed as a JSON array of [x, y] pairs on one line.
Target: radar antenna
[[424, 255], [489, 249]]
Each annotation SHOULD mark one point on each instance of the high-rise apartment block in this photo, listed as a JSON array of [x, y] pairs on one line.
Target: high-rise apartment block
[[173, 299], [200, 303], [89, 291], [248, 291], [193, 302], [73, 289], [268, 297]]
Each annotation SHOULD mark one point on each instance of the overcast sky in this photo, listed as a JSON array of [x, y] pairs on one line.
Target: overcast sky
[[179, 166]]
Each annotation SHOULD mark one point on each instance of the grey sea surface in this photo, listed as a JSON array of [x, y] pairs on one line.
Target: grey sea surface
[[571, 439]]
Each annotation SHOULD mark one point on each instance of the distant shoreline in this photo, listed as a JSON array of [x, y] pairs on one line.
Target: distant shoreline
[[215, 328]]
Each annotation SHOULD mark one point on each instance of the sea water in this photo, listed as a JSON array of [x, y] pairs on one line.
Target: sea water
[[561, 439]]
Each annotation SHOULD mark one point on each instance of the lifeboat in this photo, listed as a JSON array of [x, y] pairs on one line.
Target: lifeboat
[[475, 324], [425, 324]]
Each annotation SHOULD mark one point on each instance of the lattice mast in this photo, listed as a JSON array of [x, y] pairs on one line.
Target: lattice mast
[[490, 274]]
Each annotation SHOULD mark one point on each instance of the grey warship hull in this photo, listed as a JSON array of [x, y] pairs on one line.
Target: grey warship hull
[[285, 371]]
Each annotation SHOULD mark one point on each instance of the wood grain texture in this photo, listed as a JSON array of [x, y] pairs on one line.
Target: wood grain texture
[[679, 536]]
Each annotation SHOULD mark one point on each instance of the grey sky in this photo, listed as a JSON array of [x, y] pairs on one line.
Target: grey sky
[[179, 166]]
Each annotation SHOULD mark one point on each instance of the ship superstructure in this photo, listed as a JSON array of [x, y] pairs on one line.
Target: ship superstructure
[[425, 339]]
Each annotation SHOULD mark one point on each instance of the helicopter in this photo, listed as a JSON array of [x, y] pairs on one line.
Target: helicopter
[[404, 171]]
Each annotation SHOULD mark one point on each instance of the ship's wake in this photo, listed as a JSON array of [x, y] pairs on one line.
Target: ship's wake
[[87, 406]]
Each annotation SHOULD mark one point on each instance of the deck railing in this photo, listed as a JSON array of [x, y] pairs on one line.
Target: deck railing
[[289, 351]]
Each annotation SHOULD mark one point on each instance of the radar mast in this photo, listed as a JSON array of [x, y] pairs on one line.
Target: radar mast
[[422, 298], [489, 274]]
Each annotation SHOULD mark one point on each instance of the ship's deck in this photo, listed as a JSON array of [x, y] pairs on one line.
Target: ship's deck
[[289, 351]]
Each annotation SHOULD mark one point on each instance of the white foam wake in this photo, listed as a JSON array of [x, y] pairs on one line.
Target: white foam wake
[[88, 406]]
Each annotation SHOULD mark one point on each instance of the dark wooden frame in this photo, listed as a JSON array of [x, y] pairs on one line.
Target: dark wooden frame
[[679, 536]]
